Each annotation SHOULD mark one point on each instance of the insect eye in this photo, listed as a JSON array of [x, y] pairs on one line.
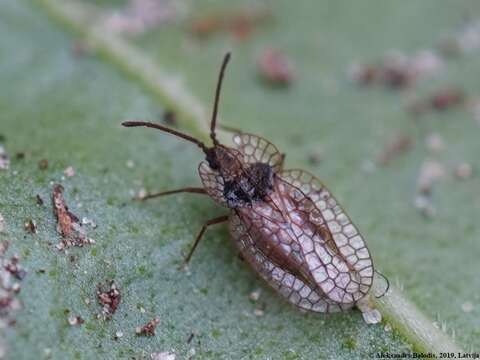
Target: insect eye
[[212, 159]]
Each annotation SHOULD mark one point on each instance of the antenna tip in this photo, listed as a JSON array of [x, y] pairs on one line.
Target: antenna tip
[[227, 56], [128, 123]]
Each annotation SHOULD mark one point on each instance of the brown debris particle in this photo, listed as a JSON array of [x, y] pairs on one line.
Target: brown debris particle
[[10, 270], [75, 320], [68, 225], [397, 70], [315, 156], [363, 75], [4, 159], [31, 226], [464, 171], [240, 23], [447, 98], [4, 247], [149, 328], [396, 146], [467, 307], [13, 267], [395, 75], [39, 200], [206, 26], [109, 297], [81, 48], [275, 68], [442, 100], [392, 73], [43, 164]]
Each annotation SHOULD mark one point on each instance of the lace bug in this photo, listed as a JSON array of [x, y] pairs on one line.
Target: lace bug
[[286, 223]]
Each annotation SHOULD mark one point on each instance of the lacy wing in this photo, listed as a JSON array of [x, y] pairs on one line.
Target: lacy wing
[[294, 288], [347, 247], [257, 149]]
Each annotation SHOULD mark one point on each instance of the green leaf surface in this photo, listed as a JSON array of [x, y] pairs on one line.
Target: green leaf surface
[[66, 108]]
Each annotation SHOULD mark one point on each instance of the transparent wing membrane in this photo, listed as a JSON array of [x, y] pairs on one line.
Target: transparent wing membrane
[[257, 149]]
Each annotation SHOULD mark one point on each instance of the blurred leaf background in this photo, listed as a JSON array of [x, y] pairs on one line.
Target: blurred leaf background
[[63, 100]]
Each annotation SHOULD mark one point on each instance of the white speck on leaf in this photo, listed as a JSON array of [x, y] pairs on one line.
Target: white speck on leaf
[[434, 142], [75, 320], [2, 224], [424, 204], [87, 221], [372, 316], [463, 171], [369, 314], [142, 194], [191, 353], [4, 159], [165, 355], [426, 63], [258, 312], [140, 15], [255, 295], [430, 172], [69, 171], [474, 108]]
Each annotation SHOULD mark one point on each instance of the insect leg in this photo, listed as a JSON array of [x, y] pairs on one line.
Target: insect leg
[[163, 193], [200, 234]]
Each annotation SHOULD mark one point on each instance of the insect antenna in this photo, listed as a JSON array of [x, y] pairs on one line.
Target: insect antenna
[[213, 123], [179, 134], [388, 284]]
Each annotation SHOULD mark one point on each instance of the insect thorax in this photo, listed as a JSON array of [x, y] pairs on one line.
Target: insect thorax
[[253, 184]]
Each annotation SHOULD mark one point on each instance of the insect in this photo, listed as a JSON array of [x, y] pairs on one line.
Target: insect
[[286, 223]]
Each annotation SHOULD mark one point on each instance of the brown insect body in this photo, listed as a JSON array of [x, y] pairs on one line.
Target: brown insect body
[[286, 224]]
